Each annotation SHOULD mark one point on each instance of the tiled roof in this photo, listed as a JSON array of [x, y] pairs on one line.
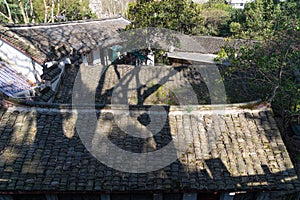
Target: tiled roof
[[45, 95], [51, 73], [208, 44], [11, 82], [41, 151], [236, 90], [22, 44], [47, 39]]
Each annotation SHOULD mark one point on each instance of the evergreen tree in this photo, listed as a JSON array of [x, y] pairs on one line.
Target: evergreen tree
[[217, 17], [258, 20], [178, 15], [271, 67]]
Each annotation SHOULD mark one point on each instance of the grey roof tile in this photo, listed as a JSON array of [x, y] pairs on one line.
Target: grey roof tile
[[40, 151], [53, 41], [208, 44]]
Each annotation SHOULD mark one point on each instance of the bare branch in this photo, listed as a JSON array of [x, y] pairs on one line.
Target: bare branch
[[8, 11], [264, 75], [31, 12], [279, 76], [5, 16], [273, 94]]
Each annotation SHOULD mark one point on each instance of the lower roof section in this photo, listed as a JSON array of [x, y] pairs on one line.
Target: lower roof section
[[44, 150], [11, 82]]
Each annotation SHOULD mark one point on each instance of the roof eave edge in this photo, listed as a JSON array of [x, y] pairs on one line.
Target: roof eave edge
[[23, 51]]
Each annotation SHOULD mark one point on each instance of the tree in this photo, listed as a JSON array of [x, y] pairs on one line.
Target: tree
[[26, 11], [271, 67], [258, 20], [25, 17], [62, 10], [5, 11], [13, 11], [235, 28], [216, 15], [179, 15]]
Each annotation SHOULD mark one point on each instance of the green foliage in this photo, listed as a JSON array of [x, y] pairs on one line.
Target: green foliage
[[178, 15], [71, 9], [160, 57], [14, 9], [212, 18], [222, 56], [261, 17], [216, 16], [271, 68], [235, 28], [39, 10], [257, 21], [77, 10]]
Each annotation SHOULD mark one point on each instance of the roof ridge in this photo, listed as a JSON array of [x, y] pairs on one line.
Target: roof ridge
[[253, 106], [35, 25], [226, 39]]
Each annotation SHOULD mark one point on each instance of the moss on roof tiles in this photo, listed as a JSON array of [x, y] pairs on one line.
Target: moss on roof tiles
[[234, 157]]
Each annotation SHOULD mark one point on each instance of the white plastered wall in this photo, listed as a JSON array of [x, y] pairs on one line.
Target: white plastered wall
[[21, 62]]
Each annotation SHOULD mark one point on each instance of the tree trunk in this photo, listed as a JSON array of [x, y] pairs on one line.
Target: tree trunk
[[23, 12], [52, 11], [31, 12], [58, 8], [46, 12]]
